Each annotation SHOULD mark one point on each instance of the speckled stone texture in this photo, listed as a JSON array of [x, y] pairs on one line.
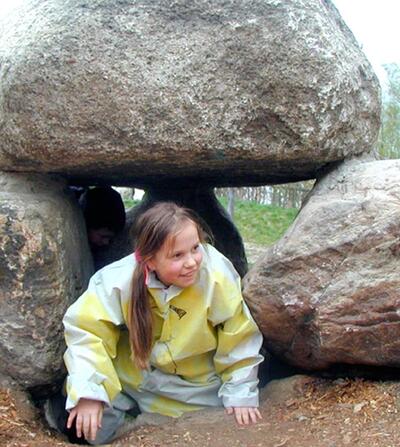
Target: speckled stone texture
[[223, 92], [329, 291], [45, 264]]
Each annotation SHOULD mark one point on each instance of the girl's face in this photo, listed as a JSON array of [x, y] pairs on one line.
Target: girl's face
[[178, 260]]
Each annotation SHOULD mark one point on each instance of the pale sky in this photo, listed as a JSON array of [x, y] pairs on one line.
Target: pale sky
[[375, 24]]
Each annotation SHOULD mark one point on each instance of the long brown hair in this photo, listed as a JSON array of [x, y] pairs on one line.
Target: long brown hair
[[150, 231]]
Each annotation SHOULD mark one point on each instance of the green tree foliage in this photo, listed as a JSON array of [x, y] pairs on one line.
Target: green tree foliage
[[389, 137]]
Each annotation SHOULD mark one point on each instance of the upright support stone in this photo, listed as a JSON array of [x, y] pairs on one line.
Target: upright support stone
[[45, 263], [328, 292]]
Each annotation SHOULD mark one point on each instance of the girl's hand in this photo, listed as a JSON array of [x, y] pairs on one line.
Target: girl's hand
[[244, 415], [88, 414]]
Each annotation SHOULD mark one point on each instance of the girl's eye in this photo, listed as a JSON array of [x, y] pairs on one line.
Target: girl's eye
[[196, 247], [177, 255]]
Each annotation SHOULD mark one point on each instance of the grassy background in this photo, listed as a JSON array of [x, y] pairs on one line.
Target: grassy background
[[129, 203], [261, 224], [258, 224]]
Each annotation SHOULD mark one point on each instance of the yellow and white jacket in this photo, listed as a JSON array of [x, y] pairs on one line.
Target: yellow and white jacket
[[206, 344]]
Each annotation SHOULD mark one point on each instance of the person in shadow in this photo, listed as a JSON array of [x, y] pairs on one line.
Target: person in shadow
[[104, 214]]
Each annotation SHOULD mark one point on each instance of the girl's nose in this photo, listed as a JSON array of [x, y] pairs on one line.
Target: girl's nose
[[189, 261]]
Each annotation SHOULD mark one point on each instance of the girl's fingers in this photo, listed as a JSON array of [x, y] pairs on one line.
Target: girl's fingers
[[86, 426], [257, 412], [245, 416], [96, 423], [229, 410], [100, 418], [93, 428], [238, 415], [78, 425], [253, 415], [71, 418], [87, 414]]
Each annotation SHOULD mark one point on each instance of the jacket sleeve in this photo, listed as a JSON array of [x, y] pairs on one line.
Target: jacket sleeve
[[92, 333], [239, 341]]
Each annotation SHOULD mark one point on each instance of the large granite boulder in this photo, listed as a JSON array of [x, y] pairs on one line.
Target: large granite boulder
[[139, 92], [329, 291], [45, 264]]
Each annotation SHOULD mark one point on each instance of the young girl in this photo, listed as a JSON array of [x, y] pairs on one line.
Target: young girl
[[175, 337]]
